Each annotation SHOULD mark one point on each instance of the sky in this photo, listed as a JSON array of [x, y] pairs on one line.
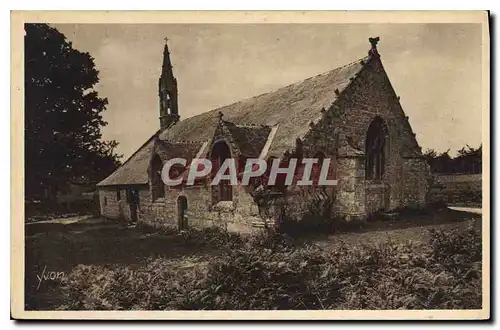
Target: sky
[[434, 68]]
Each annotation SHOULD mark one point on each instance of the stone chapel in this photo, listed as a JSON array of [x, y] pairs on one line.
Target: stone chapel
[[350, 114]]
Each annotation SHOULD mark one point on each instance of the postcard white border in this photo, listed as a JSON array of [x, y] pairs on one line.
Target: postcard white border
[[18, 18]]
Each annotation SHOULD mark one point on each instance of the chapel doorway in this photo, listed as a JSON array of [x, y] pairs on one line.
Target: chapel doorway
[[182, 205]]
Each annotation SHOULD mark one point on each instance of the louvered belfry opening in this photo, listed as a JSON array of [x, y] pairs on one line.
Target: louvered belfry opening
[[375, 149], [223, 191]]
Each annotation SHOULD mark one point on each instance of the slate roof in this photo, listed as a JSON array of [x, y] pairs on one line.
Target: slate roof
[[135, 169], [292, 108], [249, 139], [183, 149]]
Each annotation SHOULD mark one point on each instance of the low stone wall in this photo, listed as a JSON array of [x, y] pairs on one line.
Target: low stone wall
[[237, 215], [461, 189]]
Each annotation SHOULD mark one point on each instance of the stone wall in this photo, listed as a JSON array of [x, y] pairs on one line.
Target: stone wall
[[461, 189], [237, 215], [350, 197], [309, 206], [109, 203], [119, 209], [415, 182], [368, 96], [376, 197], [341, 133]]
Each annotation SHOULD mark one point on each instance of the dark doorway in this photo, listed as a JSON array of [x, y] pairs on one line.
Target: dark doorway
[[182, 206]]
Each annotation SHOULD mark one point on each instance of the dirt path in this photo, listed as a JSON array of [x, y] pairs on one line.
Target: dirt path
[[416, 235], [78, 218], [475, 210], [406, 229]]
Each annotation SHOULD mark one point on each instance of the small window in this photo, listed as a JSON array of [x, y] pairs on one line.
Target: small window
[[105, 201], [118, 194]]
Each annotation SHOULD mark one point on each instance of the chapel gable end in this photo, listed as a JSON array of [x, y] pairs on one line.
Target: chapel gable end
[[369, 95]]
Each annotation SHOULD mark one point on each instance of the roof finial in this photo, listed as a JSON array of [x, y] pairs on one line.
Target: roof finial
[[373, 42], [166, 39]]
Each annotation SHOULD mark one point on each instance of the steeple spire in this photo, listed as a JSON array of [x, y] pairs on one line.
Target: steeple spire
[[167, 64], [167, 90]]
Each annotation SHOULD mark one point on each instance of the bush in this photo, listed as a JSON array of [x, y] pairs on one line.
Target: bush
[[269, 272], [48, 211], [459, 252], [212, 237], [272, 240]]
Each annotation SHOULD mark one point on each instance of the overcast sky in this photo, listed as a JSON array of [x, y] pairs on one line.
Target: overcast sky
[[434, 68]]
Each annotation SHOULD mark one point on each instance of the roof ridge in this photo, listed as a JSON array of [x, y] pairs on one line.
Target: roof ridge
[[182, 141], [251, 125]]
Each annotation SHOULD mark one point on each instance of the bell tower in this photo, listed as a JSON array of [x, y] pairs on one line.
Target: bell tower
[[167, 90]]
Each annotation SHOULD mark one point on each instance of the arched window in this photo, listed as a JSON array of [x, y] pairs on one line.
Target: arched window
[[223, 191], [158, 187], [376, 140]]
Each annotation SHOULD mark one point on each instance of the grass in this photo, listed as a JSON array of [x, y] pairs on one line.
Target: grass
[[108, 266]]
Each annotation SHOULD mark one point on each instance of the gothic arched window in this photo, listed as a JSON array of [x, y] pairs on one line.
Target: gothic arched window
[[223, 191], [158, 187], [375, 149]]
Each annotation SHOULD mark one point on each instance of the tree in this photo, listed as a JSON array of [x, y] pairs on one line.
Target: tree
[[63, 118], [430, 156], [468, 160]]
